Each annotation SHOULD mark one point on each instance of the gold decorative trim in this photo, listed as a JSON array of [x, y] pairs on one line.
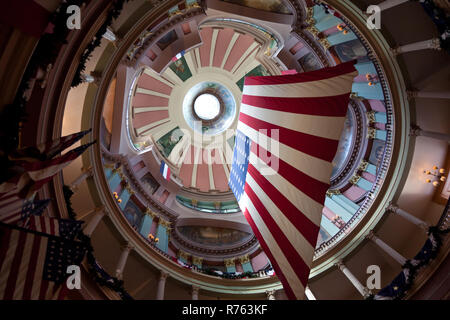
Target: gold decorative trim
[[183, 255], [325, 43], [363, 165], [354, 179], [197, 260], [244, 259], [331, 192], [370, 117], [314, 31], [229, 262], [371, 133]]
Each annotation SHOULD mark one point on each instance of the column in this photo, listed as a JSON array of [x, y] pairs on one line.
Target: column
[[93, 223], [161, 286], [390, 4], [408, 216], [194, 292], [417, 131], [429, 94], [355, 282], [434, 44], [123, 260], [386, 248], [270, 295], [85, 173], [309, 294]]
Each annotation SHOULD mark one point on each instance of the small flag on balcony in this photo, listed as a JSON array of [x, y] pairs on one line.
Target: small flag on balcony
[[165, 170], [178, 56]]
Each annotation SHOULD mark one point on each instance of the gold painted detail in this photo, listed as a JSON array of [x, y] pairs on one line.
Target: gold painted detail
[[229, 262]]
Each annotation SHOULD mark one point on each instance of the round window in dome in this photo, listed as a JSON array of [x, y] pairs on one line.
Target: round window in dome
[[207, 106]]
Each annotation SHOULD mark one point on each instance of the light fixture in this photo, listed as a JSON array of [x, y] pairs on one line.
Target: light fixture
[[342, 27], [152, 238], [437, 176], [371, 79]]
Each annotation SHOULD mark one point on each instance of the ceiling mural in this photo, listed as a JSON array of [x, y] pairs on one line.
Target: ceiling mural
[[345, 144], [213, 236]]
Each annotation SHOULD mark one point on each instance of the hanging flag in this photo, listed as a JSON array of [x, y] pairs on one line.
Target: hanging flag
[[67, 229], [165, 170], [291, 71], [178, 56], [19, 210], [46, 151], [34, 265], [31, 176], [281, 188]]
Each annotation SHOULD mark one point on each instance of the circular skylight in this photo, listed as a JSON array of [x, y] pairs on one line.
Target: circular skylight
[[207, 106]]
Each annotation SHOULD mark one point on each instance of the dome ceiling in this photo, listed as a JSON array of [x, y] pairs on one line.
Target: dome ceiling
[[162, 108], [167, 121]]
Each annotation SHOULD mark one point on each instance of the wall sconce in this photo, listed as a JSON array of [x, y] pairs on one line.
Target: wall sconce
[[152, 238], [342, 27], [116, 196], [371, 80], [436, 176]]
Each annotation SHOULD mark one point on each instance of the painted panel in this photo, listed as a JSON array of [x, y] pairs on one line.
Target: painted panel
[[167, 142], [345, 144], [258, 71], [167, 40], [150, 183], [309, 62], [376, 154], [213, 236], [350, 50], [181, 69], [134, 215]]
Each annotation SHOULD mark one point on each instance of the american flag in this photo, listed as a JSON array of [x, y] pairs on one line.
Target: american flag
[[32, 175], [18, 210], [48, 150], [33, 265], [68, 229], [281, 188]]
